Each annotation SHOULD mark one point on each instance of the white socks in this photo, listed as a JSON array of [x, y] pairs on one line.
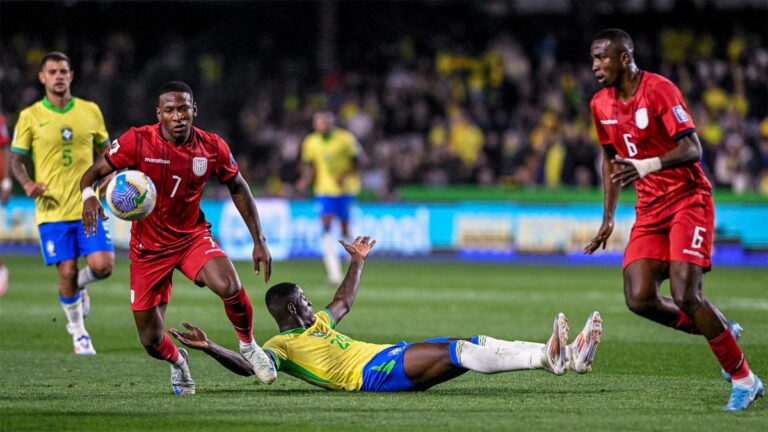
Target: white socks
[[331, 259], [500, 356], [74, 312], [747, 381], [85, 276]]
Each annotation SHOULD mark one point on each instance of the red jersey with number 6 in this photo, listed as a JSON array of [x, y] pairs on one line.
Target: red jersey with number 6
[[180, 174], [647, 125]]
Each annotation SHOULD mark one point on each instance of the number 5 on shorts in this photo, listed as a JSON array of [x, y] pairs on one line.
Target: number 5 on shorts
[[698, 239]]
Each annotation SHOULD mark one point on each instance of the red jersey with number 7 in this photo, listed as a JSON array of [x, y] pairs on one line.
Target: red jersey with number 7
[[647, 125], [179, 174]]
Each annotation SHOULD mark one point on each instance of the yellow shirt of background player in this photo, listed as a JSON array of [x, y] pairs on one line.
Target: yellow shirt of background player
[[331, 158], [61, 144], [320, 355]]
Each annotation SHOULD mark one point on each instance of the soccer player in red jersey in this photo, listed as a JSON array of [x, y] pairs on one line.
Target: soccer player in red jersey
[[180, 158], [649, 139]]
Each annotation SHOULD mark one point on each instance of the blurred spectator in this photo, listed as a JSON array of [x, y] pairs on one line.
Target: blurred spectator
[[442, 108]]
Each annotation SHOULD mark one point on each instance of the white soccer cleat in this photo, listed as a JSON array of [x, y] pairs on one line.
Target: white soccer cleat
[[81, 341], [86, 299], [555, 349], [262, 365], [582, 351], [181, 379]]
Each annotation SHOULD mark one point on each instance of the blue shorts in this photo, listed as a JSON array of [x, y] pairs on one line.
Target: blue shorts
[[62, 241], [336, 205], [385, 371]]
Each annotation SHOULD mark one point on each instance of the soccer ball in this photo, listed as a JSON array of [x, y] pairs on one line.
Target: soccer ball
[[131, 195]]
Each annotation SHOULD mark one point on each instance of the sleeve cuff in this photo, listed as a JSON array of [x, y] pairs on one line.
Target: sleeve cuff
[[683, 134], [106, 158], [19, 150], [103, 143], [330, 316]]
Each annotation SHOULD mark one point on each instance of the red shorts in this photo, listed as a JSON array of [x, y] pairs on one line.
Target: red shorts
[[681, 231], [151, 274]]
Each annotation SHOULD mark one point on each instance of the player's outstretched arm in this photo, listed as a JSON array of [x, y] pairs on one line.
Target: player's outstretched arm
[[197, 339], [345, 295], [92, 208], [243, 200], [611, 192]]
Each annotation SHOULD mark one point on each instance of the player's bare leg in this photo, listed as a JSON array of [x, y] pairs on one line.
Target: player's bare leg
[[686, 281], [427, 364], [642, 279], [72, 303], [331, 258], [150, 324], [219, 275], [98, 266]]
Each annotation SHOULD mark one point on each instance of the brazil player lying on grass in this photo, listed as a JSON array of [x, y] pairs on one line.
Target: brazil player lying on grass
[[308, 346]]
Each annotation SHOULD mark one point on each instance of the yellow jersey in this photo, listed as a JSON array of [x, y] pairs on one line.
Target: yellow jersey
[[333, 156], [61, 143], [322, 356]]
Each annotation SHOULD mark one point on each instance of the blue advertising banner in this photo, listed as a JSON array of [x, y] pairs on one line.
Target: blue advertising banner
[[469, 230]]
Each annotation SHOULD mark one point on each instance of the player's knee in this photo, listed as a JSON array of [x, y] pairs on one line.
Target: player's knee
[[103, 269], [687, 300], [225, 286], [640, 305]]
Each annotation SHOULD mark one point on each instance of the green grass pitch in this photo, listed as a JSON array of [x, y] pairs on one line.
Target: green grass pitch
[[645, 377]]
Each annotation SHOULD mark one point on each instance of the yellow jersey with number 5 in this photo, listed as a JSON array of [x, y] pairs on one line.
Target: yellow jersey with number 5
[[322, 356], [61, 143], [333, 157]]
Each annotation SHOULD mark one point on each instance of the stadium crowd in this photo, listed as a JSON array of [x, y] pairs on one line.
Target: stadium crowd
[[492, 113]]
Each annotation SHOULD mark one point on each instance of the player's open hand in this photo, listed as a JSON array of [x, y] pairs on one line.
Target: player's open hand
[[627, 172], [262, 256], [195, 338], [92, 210], [360, 247], [601, 238]]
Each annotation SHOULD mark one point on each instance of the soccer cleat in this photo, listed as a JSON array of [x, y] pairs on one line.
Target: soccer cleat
[[86, 299], [81, 341], [262, 365], [581, 352], [555, 349], [742, 397], [736, 330], [181, 379]]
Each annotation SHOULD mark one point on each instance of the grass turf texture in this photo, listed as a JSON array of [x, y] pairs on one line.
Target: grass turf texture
[[645, 377]]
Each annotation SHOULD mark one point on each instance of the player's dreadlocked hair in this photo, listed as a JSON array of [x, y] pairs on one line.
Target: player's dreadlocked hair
[[278, 295], [617, 36], [175, 86]]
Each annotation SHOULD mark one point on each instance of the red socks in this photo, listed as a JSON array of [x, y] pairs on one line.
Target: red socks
[[240, 314], [729, 355], [684, 323], [166, 351]]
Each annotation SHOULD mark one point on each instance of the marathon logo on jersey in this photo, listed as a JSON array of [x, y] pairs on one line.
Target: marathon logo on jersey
[[231, 159], [199, 166], [114, 147], [318, 334], [67, 134], [680, 113], [157, 161], [641, 118]]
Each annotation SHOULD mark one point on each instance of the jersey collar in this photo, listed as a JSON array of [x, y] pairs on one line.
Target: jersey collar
[[54, 108]]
